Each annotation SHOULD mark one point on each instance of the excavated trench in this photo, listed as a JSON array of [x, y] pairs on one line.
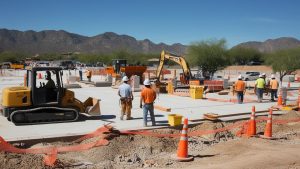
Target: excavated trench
[[138, 151]]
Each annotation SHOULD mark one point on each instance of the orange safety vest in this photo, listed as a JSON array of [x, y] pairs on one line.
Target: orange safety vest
[[88, 73], [240, 86], [274, 84]]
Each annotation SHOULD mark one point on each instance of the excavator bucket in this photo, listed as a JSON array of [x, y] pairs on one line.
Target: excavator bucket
[[92, 106]]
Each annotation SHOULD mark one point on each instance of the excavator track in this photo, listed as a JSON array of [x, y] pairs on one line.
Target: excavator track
[[42, 115]]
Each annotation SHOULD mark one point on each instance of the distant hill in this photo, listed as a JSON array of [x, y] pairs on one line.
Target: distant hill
[[272, 45], [50, 41]]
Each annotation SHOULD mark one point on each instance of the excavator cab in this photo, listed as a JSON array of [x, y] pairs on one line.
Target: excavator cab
[[45, 84]]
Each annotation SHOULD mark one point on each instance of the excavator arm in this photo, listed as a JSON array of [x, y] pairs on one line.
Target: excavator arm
[[178, 59]]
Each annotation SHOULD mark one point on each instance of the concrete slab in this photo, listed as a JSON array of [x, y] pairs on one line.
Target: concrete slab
[[110, 108]]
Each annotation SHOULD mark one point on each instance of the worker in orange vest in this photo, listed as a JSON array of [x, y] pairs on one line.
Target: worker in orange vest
[[273, 87], [240, 89], [88, 75]]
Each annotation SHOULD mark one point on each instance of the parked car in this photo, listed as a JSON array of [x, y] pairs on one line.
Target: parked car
[[249, 76]]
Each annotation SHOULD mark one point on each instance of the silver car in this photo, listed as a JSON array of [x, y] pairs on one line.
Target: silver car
[[250, 76]]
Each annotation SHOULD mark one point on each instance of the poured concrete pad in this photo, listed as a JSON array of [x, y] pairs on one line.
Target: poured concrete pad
[[110, 109]]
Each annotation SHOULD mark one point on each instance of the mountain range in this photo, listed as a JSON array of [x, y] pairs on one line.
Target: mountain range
[[52, 41], [272, 45]]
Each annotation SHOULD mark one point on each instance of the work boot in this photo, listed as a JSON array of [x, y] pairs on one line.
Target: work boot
[[129, 118]]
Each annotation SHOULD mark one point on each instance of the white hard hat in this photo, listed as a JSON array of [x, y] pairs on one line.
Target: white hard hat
[[125, 79], [272, 76], [147, 82], [261, 75], [240, 77], [264, 74]]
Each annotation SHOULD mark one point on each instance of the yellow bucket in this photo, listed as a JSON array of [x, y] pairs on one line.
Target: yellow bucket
[[196, 92], [174, 119]]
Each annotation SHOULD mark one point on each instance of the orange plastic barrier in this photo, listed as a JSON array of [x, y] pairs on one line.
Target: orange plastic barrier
[[214, 84], [51, 151]]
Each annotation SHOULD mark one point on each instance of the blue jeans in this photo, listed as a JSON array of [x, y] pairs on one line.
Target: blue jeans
[[273, 94], [150, 108], [80, 75], [240, 97], [259, 92]]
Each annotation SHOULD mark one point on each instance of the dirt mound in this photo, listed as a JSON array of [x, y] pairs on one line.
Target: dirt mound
[[126, 151], [288, 116], [11, 160]]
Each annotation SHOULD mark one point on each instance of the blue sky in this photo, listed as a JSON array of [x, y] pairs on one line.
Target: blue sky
[[167, 21]]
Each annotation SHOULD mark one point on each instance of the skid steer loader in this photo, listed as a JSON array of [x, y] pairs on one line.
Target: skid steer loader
[[43, 99]]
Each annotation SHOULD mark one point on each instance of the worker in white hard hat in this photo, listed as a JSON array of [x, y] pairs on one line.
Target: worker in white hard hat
[[126, 98], [273, 87], [148, 96], [239, 88], [259, 87]]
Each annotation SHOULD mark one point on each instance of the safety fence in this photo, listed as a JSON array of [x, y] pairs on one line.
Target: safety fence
[[214, 85], [242, 125], [98, 71], [50, 152]]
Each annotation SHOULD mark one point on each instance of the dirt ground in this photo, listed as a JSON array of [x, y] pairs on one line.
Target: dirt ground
[[219, 150]]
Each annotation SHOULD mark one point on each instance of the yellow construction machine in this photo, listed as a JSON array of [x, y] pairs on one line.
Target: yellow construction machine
[[43, 99], [185, 77], [164, 56]]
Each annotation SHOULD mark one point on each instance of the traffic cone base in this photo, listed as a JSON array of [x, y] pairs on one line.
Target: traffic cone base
[[265, 137], [183, 159]]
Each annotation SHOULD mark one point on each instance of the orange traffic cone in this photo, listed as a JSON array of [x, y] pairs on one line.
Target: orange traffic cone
[[268, 129], [252, 124], [182, 152], [279, 101]]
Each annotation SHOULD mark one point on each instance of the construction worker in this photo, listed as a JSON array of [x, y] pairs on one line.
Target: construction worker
[[88, 75], [273, 87], [240, 89], [80, 73], [126, 98], [267, 84], [259, 87], [50, 84], [148, 95]]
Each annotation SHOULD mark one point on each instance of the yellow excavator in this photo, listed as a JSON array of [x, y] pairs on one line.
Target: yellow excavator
[[185, 77], [164, 56], [43, 99]]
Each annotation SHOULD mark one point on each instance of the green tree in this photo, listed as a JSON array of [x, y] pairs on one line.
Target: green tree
[[209, 56], [285, 61], [11, 56], [242, 55]]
